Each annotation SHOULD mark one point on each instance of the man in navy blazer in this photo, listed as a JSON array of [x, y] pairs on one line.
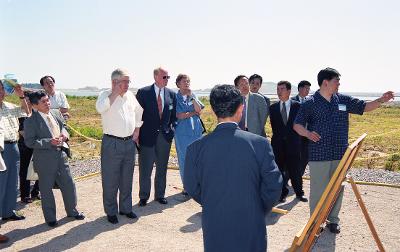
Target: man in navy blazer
[[233, 175], [156, 134], [285, 141], [304, 90]]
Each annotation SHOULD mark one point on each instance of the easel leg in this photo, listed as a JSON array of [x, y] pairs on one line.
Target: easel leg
[[366, 215]]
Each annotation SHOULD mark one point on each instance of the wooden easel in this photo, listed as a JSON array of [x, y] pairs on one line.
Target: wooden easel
[[306, 237]]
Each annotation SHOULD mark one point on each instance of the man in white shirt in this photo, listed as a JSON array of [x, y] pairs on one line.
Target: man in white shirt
[[58, 100], [121, 117]]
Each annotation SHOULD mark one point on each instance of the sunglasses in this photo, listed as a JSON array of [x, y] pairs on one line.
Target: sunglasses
[[166, 77]]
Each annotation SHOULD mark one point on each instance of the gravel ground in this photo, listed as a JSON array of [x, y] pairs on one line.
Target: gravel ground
[[177, 225], [81, 168]]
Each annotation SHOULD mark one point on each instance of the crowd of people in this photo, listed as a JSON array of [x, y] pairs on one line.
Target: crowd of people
[[233, 172]]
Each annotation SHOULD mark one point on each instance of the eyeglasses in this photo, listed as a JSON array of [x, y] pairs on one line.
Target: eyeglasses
[[166, 77]]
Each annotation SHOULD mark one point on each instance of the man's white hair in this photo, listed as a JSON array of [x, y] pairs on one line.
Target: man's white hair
[[118, 73]]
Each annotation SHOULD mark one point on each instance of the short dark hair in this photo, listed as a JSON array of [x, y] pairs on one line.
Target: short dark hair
[[286, 83], [255, 76], [303, 83], [225, 100], [180, 77], [327, 74], [237, 79], [35, 97], [44, 77]]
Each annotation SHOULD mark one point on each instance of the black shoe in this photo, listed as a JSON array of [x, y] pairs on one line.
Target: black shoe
[[52, 223], [130, 215], [162, 201], [15, 217], [184, 193], [26, 200], [302, 198], [36, 197], [79, 216], [112, 219], [282, 199], [333, 228], [142, 202]]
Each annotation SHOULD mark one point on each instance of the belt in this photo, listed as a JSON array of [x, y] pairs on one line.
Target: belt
[[120, 138], [10, 142]]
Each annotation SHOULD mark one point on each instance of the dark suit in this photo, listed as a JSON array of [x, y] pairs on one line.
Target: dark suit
[[25, 155], [51, 164], [303, 146], [233, 175], [286, 145], [155, 139]]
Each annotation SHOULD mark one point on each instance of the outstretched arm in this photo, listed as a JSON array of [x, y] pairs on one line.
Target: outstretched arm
[[372, 105]]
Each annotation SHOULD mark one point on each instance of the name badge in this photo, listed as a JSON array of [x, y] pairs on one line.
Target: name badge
[[342, 107], [190, 103], [171, 106]]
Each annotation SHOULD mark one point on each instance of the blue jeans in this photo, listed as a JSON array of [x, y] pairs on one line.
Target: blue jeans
[[8, 180]]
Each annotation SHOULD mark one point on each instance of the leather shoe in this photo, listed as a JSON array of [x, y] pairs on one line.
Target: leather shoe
[[333, 228], [302, 198], [142, 202], [282, 199], [26, 200], [15, 217], [112, 219], [162, 201], [79, 216], [3, 239], [130, 215], [52, 223], [36, 197]]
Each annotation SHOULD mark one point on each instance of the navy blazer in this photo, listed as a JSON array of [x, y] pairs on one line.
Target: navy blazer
[[233, 175], [152, 124], [281, 133]]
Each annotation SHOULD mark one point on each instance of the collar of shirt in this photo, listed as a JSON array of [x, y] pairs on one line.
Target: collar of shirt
[[44, 116], [227, 122]]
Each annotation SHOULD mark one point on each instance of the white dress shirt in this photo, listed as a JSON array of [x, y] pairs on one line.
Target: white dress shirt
[[247, 109], [54, 121], [122, 117], [156, 90], [287, 104], [58, 100]]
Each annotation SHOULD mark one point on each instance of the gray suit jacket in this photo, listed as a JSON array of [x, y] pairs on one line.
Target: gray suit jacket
[[38, 137], [257, 114]]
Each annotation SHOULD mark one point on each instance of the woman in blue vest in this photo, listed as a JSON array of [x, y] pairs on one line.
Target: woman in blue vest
[[189, 127]]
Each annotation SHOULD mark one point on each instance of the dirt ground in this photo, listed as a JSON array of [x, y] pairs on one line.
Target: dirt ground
[[177, 226]]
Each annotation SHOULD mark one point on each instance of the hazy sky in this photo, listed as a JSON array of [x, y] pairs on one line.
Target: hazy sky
[[81, 42]]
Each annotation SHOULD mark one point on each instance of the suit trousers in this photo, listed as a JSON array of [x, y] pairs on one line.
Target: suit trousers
[[8, 180], [288, 163], [57, 171], [303, 154], [158, 154], [320, 174], [117, 165], [24, 184]]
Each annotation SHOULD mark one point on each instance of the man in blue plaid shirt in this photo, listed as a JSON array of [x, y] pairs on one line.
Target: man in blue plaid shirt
[[326, 114]]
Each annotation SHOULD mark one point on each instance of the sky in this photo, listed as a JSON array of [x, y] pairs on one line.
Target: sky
[[80, 42]]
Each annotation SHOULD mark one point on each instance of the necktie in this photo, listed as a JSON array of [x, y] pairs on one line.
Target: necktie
[[55, 130], [159, 103], [242, 123], [284, 113]]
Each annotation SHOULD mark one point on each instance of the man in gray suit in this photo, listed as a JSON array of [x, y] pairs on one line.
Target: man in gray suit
[[46, 135], [233, 175], [255, 109]]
